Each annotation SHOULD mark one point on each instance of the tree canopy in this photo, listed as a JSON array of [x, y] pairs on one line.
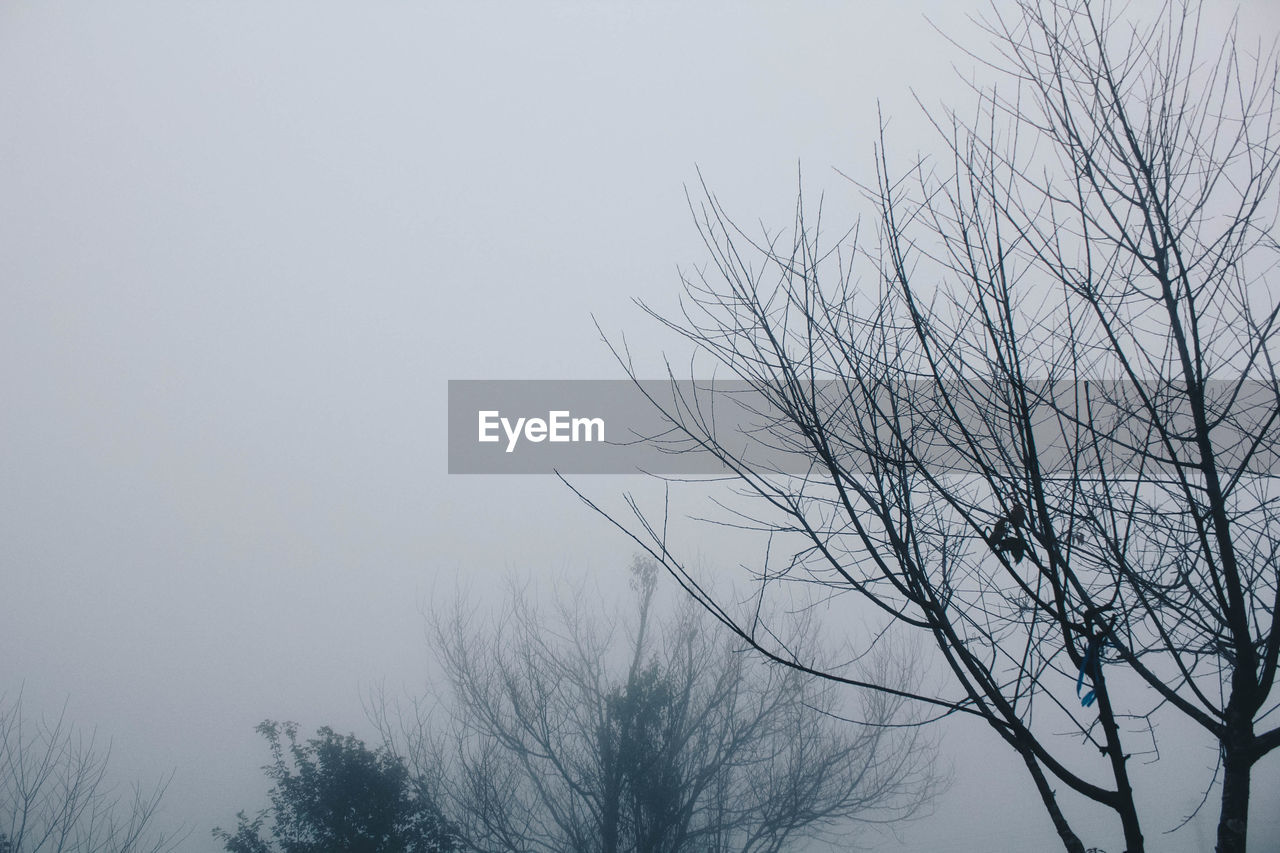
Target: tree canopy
[[585, 729], [334, 793], [1035, 405]]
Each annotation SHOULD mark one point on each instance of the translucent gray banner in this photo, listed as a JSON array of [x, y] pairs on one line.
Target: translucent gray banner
[[1069, 429]]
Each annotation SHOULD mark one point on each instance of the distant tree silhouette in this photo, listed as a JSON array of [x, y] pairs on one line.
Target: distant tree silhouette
[[335, 794], [567, 737], [56, 795]]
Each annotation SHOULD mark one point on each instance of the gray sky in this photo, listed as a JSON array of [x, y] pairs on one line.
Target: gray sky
[[244, 245]]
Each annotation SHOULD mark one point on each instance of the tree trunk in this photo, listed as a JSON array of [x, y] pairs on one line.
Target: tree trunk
[[1237, 765]]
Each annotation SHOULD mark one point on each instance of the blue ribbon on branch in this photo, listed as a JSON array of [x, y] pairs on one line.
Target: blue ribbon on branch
[[1092, 664]]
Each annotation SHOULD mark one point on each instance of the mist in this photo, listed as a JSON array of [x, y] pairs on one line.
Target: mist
[[245, 246]]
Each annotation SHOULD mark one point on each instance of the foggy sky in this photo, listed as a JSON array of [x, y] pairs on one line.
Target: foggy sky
[[243, 247]]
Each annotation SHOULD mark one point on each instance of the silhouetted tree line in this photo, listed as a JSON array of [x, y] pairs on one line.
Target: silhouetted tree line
[[556, 738]]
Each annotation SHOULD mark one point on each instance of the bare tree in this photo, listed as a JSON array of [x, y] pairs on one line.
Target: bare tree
[[1045, 437], [56, 797], [567, 739]]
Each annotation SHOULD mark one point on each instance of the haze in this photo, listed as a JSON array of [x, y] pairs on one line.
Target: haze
[[244, 245]]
